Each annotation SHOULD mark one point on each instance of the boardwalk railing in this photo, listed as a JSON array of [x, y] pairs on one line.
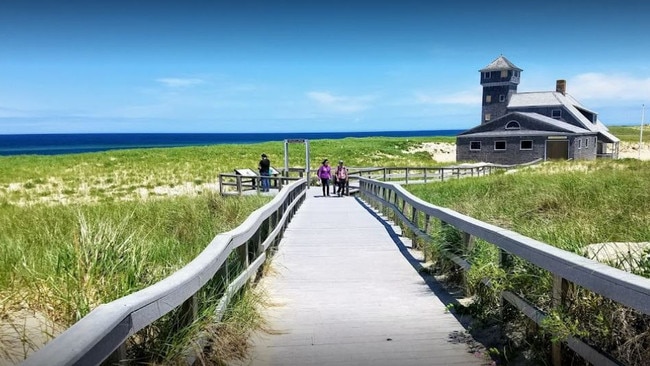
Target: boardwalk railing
[[236, 184], [566, 267], [102, 333]]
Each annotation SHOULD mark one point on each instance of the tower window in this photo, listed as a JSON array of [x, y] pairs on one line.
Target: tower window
[[516, 73], [502, 98], [504, 73], [488, 116], [488, 99], [499, 145], [487, 75], [556, 113], [579, 143], [475, 145], [513, 125], [526, 145], [587, 142]]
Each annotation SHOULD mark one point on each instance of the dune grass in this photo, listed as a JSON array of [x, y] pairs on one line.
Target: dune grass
[[160, 172], [568, 205]]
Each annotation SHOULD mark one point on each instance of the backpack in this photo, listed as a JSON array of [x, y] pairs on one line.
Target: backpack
[[342, 173]]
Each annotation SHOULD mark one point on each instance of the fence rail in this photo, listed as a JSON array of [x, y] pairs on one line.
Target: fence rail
[[102, 333], [566, 267]]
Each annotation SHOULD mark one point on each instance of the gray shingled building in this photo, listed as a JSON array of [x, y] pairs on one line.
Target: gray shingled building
[[521, 127]]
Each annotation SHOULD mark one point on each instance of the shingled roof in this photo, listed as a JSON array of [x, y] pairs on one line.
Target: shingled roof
[[500, 63]]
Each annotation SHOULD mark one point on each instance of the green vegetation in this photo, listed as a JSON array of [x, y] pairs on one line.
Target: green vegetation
[[138, 174], [569, 205], [85, 229], [628, 133]]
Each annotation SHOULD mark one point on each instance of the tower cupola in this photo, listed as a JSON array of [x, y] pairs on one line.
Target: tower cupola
[[499, 80]]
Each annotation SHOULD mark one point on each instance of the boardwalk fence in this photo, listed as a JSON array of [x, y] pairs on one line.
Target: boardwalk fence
[[102, 333], [567, 268]]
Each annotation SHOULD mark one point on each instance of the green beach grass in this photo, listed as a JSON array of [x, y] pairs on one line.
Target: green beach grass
[[84, 229], [80, 230], [569, 205]]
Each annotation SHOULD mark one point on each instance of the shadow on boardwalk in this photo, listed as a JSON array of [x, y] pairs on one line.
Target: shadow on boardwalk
[[350, 292]]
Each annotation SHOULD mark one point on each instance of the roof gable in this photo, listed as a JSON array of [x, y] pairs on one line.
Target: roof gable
[[530, 122], [500, 63]]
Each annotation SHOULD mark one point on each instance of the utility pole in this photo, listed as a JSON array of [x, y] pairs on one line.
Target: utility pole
[[641, 132]]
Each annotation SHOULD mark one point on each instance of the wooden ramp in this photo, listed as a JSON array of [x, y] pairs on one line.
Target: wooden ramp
[[344, 293]]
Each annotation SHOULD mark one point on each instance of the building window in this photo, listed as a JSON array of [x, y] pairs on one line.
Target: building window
[[475, 145], [516, 73], [487, 116], [526, 145], [486, 75], [499, 145], [556, 113], [587, 142], [579, 143], [502, 98], [513, 125], [488, 99], [504, 73]]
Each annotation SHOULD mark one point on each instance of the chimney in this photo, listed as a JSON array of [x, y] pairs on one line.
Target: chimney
[[560, 86]]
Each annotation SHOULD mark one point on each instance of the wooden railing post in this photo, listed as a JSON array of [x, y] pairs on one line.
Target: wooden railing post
[[505, 262], [239, 187], [407, 175], [558, 300], [442, 174], [467, 247]]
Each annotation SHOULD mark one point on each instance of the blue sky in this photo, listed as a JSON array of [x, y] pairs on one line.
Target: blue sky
[[278, 66]]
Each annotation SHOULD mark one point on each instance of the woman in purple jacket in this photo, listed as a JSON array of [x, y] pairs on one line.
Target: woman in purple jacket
[[325, 173]]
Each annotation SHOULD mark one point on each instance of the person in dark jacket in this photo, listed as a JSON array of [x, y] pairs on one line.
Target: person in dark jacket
[[265, 169]]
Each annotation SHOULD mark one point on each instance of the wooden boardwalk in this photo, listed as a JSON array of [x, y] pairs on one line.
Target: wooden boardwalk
[[344, 291]]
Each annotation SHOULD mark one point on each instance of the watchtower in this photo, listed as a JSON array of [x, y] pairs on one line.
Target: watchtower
[[499, 80]]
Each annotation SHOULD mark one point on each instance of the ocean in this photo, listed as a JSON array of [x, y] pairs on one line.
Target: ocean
[[56, 144]]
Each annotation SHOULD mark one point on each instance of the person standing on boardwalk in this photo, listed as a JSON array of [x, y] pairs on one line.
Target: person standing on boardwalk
[[341, 175], [265, 169], [325, 174]]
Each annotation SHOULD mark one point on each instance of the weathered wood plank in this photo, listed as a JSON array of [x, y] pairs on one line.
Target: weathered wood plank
[[344, 294]]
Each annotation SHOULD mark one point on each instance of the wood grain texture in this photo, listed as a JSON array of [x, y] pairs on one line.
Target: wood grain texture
[[343, 293]]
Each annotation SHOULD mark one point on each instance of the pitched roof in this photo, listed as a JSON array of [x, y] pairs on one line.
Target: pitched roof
[[549, 126], [500, 63], [553, 99]]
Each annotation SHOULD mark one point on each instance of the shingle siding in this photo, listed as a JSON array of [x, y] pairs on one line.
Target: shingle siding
[[511, 155]]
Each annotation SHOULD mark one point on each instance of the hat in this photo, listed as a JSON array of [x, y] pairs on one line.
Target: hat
[[263, 155], [340, 161]]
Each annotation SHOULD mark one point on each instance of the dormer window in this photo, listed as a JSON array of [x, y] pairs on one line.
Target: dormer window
[[513, 125], [556, 113]]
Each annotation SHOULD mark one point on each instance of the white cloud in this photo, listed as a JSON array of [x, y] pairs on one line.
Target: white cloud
[[612, 87], [343, 104], [180, 82]]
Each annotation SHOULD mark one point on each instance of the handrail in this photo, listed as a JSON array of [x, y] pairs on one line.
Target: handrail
[[623, 287], [96, 336]]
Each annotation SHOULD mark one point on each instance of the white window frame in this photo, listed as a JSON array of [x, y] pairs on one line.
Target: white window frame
[[579, 143], [505, 145], [472, 142], [511, 125], [487, 117], [522, 141], [502, 98], [488, 99], [586, 142], [487, 74]]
